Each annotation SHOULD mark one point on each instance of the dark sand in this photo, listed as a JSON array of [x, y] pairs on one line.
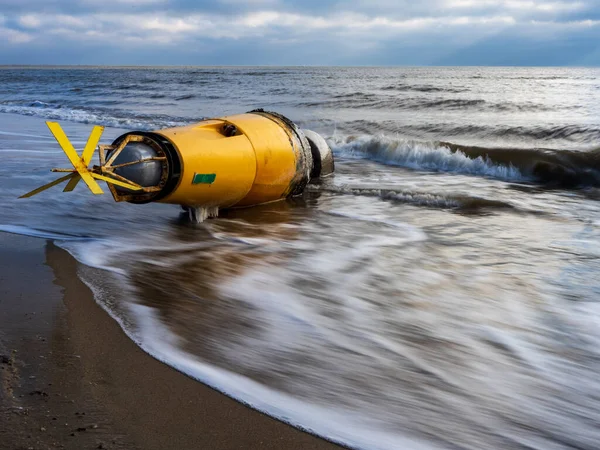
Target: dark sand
[[70, 378]]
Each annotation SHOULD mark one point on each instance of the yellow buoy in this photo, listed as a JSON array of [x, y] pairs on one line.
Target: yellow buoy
[[240, 160]]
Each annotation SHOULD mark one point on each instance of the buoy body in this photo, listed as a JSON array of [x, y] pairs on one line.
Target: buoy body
[[239, 160], [234, 161]]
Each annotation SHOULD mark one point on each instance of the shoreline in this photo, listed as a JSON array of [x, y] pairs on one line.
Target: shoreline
[[71, 378]]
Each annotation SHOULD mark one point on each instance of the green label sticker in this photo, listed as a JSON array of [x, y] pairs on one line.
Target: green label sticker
[[204, 178]]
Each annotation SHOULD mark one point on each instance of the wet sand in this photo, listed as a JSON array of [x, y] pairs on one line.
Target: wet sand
[[70, 378]]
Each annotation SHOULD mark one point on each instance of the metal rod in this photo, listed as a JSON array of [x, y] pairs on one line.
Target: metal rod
[[120, 178], [131, 163]]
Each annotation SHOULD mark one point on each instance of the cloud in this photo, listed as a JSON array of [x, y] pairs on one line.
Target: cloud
[[392, 32], [517, 5], [113, 29], [30, 21], [11, 36]]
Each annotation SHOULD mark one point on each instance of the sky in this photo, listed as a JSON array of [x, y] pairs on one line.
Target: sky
[[310, 32]]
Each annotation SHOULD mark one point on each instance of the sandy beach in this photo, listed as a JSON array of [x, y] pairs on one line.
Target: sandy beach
[[70, 378]]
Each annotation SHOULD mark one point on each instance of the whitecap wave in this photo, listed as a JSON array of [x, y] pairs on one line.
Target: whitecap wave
[[57, 112], [423, 156]]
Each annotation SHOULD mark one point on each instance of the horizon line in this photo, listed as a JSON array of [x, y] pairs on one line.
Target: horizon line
[[297, 66]]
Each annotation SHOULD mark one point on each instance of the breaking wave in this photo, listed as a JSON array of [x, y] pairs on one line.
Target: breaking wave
[[375, 101], [96, 117], [546, 166], [185, 97], [571, 133], [574, 133], [424, 156], [422, 88]]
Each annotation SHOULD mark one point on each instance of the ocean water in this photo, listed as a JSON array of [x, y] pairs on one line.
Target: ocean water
[[441, 290]]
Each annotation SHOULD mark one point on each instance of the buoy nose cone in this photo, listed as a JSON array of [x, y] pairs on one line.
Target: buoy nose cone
[[322, 155], [146, 173]]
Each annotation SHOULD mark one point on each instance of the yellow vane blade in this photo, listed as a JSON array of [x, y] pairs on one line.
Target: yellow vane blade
[[73, 183], [117, 182], [77, 162], [49, 185], [66, 145], [91, 144], [91, 183]]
